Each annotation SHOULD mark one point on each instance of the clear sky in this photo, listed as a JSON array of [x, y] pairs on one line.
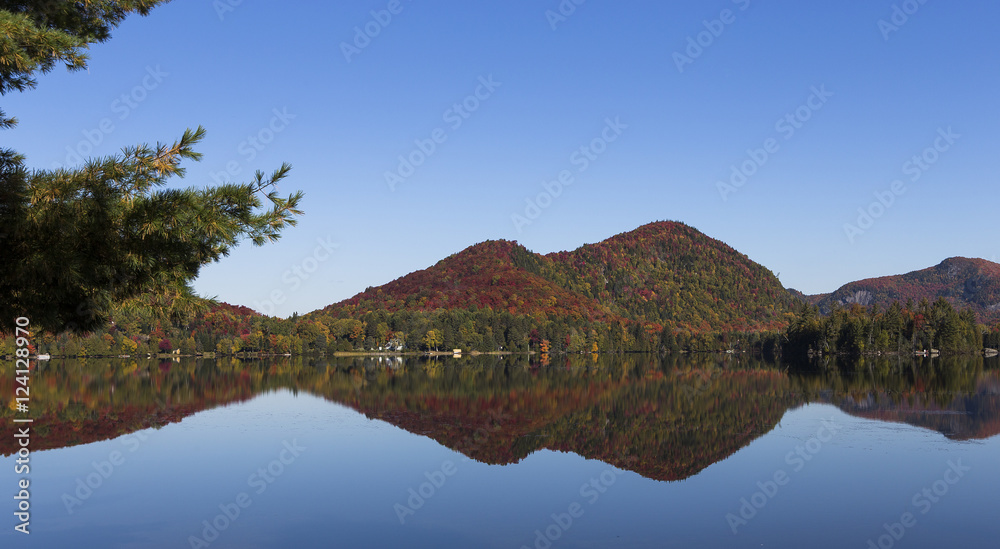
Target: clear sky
[[663, 123]]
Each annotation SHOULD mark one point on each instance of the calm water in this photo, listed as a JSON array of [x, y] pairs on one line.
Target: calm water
[[502, 453]]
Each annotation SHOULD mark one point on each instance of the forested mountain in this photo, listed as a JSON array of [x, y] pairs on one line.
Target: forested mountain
[[668, 272], [664, 273], [963, 282], [500, 275], [662, 287]]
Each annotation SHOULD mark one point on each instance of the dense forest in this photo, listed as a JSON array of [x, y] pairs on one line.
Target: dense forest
[[963, 282], [905, 328], [663, 273], [670, 273], [228, 330], [662, 288]]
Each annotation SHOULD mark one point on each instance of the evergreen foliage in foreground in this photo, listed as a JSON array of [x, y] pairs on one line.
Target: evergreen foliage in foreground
[[82, 243]]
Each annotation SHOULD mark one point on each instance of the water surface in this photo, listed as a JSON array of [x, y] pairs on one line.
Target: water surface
[[495, 452]]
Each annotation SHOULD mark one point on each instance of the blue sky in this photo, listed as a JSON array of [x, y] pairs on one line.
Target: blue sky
[[271, 83]]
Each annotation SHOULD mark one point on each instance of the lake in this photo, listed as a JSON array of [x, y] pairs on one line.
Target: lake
[[507, 452]]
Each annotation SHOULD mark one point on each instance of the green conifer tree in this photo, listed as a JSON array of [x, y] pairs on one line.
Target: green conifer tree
[[79, 243]]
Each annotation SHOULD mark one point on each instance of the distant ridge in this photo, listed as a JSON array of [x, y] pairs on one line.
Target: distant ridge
[[963, 282]]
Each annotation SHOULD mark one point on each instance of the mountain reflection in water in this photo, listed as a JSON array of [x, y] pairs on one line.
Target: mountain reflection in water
[[663, 418]]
